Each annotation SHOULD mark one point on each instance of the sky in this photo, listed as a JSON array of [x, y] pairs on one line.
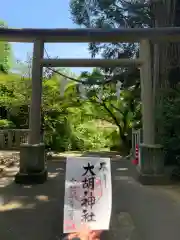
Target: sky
[[43, 14]]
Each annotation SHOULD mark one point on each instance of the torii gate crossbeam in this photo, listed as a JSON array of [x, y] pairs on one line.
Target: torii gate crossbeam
[[90, 35]]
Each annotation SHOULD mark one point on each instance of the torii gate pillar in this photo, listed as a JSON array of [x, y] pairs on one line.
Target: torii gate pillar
[[32, 155], [147, 93], [151, 162]]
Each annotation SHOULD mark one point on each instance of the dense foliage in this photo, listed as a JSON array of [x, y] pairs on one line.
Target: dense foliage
[[5, 53], [70, 122], [170, 136], [117, 14], [104, 117]]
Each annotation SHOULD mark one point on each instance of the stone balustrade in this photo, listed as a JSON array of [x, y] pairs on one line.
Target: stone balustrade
[[11, 139], [136, 139]]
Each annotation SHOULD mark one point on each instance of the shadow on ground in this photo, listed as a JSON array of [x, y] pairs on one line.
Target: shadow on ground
[[62, 156], [33, 212], [101, 154], [36, 212], [138, 212]]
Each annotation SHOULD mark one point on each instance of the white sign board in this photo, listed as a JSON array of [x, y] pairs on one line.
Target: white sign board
[[88, 194]]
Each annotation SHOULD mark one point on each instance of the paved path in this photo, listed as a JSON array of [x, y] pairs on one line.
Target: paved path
[[139, 212], [144, 213]]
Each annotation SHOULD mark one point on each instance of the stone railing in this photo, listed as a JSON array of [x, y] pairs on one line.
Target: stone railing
[[10, 139], [136, 138]]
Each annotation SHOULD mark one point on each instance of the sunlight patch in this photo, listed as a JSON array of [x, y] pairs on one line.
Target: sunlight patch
[[4, 182], [61, 169], [121, 169], [15, 205], [27, 186], [52, 175], [42, 198], [1, 200]]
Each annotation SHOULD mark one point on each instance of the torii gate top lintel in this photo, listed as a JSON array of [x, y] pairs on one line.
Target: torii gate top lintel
[[90, 35]]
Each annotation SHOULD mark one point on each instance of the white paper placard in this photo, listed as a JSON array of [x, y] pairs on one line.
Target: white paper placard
[[88, 193]]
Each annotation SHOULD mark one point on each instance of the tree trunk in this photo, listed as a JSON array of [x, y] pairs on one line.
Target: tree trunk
[[166, 71], [124, 143]]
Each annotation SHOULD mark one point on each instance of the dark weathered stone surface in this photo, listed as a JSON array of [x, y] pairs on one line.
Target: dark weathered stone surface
[[31, 178]]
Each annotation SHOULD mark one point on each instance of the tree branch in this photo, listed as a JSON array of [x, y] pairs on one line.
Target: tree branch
[[111, 114], [117, 109]]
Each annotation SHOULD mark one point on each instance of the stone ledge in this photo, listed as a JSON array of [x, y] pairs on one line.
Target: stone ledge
[[31, 178], [153, 146], [148, 179], [152, 179]]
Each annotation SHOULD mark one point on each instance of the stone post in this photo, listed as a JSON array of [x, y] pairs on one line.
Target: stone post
[[151, 170], [147, 93], [32, 155], [151, 157], [35, 109]]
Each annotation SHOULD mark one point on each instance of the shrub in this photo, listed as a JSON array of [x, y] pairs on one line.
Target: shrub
[[6, 124], [170, 120]]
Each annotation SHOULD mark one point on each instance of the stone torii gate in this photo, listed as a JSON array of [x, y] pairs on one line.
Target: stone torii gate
[[32, 155]]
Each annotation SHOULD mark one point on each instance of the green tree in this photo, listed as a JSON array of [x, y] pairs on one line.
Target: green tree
[[6, 58], [112, 14], [14, 99], [67, 122], [122, 111], [116, 14]]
